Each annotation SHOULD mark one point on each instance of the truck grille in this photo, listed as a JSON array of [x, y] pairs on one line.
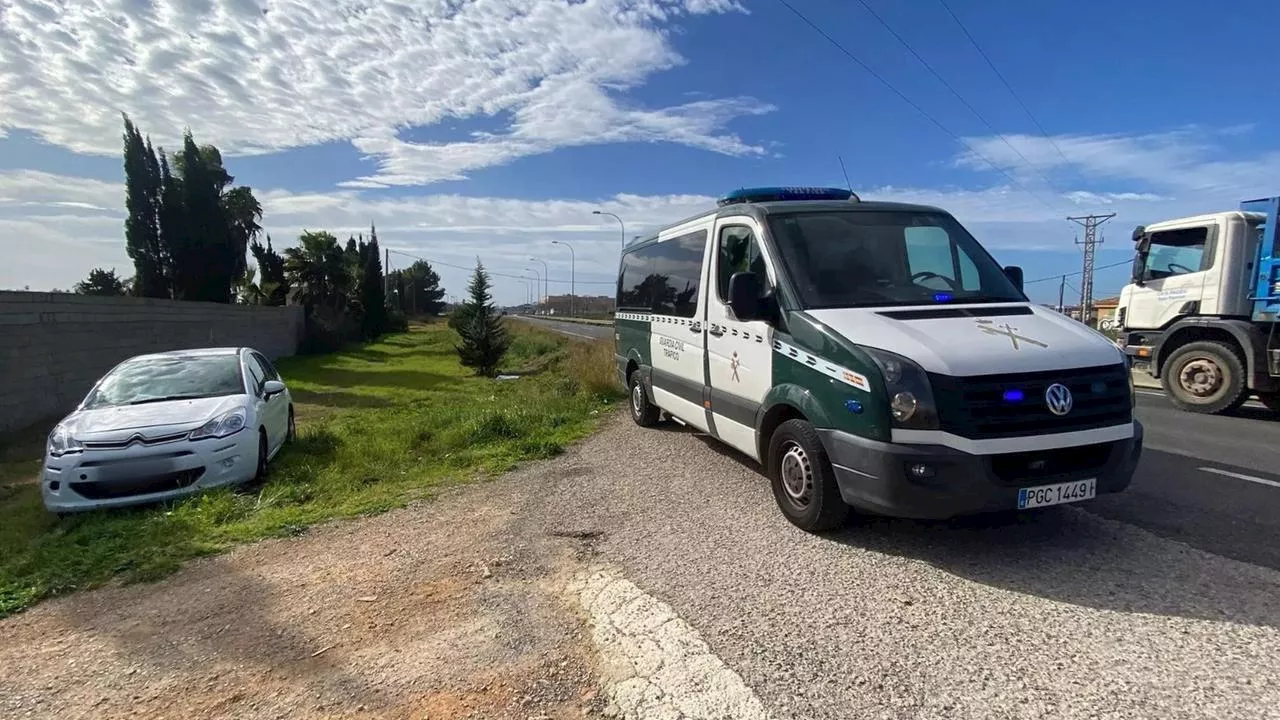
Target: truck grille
[[977, 407]]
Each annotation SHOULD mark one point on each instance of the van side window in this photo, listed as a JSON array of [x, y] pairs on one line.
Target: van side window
[[664, 277], [739, 252]]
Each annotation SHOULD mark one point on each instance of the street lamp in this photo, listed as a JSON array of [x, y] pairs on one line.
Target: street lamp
[[572, 261], [546, 278], [620, 223], [537, 280]]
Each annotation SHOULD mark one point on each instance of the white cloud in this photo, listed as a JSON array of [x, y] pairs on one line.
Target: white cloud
[[41, 214], [1178, 163], [256, 76]]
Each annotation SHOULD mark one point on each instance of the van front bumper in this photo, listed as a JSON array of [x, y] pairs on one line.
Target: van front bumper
[[875, 476]]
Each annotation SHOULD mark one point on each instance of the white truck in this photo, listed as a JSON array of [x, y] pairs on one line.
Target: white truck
[[1200, 311]]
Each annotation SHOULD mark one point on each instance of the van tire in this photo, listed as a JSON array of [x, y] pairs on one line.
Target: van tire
[[645, 413], [804, 484], [1205, 377]]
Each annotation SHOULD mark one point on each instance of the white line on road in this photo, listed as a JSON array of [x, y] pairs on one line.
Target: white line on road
[[1239, 476], [1156, 393], [566, 332]]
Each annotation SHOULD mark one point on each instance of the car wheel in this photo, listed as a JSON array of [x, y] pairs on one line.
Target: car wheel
[[292, 433], [1205, 377], [804, 484], [261, 471], [643, 412]]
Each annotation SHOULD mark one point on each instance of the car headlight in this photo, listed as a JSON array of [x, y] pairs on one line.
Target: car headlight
[[226, 424], [61, 442], [910, 396]]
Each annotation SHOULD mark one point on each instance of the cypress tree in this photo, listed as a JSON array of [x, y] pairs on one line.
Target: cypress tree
[[484, 339]]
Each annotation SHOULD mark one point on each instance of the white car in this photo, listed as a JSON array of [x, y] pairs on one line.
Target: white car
[[163, 426]]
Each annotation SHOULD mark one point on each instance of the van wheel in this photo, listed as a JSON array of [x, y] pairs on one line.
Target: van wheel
[[804, 484], [643, 412], [1205, 377]]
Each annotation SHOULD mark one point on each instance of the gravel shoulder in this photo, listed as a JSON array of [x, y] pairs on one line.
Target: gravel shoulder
[[474, 605]]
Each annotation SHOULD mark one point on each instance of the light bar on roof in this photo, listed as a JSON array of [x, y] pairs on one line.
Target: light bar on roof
[[780, 194]]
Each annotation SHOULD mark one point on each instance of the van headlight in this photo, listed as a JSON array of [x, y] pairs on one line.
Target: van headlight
[[226, 424], [910, 396], [61, 442]]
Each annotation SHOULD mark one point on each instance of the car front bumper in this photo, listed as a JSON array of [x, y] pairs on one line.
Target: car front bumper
[[874, 476], [97, 479]]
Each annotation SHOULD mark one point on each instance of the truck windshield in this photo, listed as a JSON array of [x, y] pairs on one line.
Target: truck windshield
[[866, 259]]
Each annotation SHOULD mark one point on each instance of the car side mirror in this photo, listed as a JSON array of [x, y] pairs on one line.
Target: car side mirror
[[1015, 276], [271, 388], [744, 296]]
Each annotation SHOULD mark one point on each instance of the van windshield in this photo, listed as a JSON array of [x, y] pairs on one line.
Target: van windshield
[[866, 259]]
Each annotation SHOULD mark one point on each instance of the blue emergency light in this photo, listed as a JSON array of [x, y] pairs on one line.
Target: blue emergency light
[[777, 194]]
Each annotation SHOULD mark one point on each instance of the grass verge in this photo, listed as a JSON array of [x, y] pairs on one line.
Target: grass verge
[[379, 426]]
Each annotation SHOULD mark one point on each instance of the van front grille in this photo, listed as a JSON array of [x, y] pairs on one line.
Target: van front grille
[[997, 406]]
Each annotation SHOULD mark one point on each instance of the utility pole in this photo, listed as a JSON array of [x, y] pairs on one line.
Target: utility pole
[[1062, 288], [1090, 224]]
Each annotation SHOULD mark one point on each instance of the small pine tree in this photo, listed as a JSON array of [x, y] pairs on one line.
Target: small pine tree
[[484, 339]]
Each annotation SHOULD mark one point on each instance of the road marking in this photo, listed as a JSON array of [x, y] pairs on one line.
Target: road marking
[[653, 663], [566, 332], [1156, 393], [1239, 476]]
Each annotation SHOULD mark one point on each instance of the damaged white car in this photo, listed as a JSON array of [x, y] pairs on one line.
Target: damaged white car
[[163, 426]]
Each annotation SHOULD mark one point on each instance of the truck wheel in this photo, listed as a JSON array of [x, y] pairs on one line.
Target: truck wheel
[[1205, 377], [804, 485], [643, 412]]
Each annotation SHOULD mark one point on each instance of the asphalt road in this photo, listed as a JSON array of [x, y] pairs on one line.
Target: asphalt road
[[1212, 482]]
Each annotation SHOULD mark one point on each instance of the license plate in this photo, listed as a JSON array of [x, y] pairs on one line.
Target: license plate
[[134, 470], [1043, 495]]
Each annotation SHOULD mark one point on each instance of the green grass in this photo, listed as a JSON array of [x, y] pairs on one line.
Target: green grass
[[379, 426]]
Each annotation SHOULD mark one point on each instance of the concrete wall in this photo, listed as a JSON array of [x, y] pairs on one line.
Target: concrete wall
[[54, 346]]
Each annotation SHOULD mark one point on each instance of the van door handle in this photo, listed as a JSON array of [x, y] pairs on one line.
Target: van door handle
[[695, 328], [716, 330]]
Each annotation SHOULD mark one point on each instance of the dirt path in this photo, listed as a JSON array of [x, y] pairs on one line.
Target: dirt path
[[444, 610]]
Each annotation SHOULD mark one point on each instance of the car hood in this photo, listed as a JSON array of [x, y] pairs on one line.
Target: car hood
[[975, 339], [149, 420]]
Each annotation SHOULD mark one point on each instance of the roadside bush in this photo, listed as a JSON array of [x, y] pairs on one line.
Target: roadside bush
[[397, 321], [328, 331], [594, 366]]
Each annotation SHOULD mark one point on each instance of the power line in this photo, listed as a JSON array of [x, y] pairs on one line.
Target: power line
[[1007, 86], [938, 76], [1059, 276], [867, 68]]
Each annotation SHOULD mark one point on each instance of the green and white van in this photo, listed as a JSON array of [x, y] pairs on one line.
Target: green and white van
[[871, 355]]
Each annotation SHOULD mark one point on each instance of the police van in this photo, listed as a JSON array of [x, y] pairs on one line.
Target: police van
[[869, 355]]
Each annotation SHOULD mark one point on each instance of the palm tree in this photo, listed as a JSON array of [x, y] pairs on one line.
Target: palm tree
[[317, 272]]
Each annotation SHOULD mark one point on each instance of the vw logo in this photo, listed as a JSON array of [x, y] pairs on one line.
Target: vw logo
[[1058, 398]]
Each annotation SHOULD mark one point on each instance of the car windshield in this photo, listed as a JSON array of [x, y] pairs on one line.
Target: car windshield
[[155, 379], [864, 259]]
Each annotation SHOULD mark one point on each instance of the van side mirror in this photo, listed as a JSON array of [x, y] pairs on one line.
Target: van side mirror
[[744, 296], [1014, 274]]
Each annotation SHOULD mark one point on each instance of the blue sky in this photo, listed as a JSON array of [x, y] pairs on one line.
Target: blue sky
[[492, 128]]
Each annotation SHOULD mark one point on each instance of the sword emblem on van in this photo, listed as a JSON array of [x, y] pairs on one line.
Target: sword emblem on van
[[989, 327]]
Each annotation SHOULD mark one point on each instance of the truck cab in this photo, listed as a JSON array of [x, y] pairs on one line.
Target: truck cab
[[1191, 314]]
